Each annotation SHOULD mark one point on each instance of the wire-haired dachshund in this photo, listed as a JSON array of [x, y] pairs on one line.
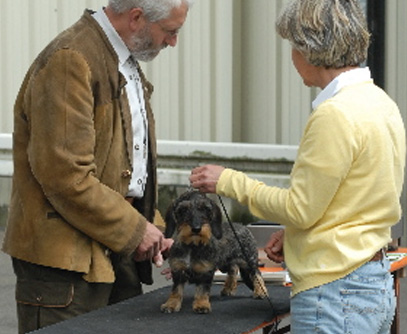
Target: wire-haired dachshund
[[202, 244]]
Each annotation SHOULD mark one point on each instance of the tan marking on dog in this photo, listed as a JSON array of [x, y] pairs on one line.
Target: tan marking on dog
[[202, 266], [174, 302], [178, 264], [186, 236]]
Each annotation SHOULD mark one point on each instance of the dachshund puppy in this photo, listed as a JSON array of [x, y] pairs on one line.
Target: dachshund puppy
[[203, 244]]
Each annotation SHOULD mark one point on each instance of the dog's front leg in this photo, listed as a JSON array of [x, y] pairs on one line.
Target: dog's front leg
[[201, 303], [202, 275], [174, 302], [180, 277]]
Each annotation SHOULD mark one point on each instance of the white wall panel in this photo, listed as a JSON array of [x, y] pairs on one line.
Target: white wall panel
[[193, 97], [396, 68], [229, 79], [275, 103], [26, 27], [396, 51]]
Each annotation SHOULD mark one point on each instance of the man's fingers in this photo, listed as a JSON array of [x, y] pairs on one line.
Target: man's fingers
[[158, 260]]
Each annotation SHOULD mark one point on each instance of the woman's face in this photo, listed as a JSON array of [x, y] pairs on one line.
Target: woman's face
[[309, 73]]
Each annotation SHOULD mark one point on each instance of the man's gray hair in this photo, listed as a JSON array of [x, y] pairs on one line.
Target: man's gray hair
[[154, 10], [329, 33]]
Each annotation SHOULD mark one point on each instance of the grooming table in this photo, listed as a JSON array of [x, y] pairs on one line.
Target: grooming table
[[230, 315]]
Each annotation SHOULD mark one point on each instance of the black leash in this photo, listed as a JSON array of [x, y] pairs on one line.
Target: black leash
[[274, 327]]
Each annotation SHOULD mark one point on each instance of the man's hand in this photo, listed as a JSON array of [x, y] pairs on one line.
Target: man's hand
[[164, 252], [151, 245], [274, 248], [167, 273]]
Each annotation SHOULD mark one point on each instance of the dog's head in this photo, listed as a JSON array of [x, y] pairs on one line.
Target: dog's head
[[195, 217]]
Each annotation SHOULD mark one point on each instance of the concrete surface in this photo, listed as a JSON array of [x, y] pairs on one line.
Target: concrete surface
[[8, 319]]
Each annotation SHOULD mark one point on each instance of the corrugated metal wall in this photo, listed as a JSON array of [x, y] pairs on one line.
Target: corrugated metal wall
[[233, 80], [223, 82], [396, 53], [26, 26], [229, 79]]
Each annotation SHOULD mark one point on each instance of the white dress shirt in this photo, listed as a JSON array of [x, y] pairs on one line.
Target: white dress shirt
[[129, 68]]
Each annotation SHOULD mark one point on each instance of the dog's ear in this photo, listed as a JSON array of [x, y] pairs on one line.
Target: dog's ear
[[170, 221], [216, 223]]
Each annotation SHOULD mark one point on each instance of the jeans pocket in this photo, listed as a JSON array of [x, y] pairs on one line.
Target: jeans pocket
[[363, 301], [365, 310]]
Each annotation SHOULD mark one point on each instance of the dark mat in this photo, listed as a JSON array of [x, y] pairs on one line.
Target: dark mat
[[237, 314]]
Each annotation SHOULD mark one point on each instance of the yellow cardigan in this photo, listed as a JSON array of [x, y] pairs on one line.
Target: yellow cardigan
[[345, 187]]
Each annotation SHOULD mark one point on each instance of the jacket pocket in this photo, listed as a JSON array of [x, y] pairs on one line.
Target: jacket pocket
[[44, 294]]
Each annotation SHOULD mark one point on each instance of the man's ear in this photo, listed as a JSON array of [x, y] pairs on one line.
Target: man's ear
[[136, 18]]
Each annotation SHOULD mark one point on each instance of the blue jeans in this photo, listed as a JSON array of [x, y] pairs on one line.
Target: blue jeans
[[361, 303]]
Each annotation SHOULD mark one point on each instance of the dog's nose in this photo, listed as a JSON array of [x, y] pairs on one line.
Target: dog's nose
[[196, 230]]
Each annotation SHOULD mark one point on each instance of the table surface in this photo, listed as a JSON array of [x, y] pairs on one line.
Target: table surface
[[236, 314], [230, 315]]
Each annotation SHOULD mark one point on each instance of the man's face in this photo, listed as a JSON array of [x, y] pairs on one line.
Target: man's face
[[147, 43], [142, 45]]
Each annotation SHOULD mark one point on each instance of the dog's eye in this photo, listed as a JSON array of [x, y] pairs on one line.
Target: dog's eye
[[206, 209], [182, 211]]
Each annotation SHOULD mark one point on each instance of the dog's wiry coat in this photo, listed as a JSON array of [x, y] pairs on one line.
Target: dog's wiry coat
[[202, 244]]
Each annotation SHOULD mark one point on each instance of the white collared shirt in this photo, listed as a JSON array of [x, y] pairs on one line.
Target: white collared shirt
[[347, 78], [135, 94]]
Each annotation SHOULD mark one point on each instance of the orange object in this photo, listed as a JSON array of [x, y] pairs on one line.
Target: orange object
[[397, 265]]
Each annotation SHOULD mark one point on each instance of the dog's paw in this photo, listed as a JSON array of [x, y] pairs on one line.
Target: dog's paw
[[202, 310], [227, 292], [171, 306], [202, 307]]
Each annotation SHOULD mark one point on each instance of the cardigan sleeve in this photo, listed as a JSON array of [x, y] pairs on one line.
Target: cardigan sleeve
[[324, 158]]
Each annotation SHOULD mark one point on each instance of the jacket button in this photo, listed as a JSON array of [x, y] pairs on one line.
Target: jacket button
[[126, 173]]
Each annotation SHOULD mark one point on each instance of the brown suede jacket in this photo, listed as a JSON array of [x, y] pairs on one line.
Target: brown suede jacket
[[72, 150]]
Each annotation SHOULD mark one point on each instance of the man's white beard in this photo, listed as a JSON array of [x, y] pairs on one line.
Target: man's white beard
[[145, 55], [142, 46]]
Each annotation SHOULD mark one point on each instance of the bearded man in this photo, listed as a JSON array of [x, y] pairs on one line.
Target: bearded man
[[82, 229]]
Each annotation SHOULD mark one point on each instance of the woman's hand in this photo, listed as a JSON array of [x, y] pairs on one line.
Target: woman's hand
[[205, 178], [275, 247]]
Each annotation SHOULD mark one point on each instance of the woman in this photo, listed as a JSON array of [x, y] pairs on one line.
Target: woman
[[345, 184]]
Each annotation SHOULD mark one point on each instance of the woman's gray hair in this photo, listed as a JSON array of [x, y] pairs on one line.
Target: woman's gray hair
[[329, 33], [154, 10]]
